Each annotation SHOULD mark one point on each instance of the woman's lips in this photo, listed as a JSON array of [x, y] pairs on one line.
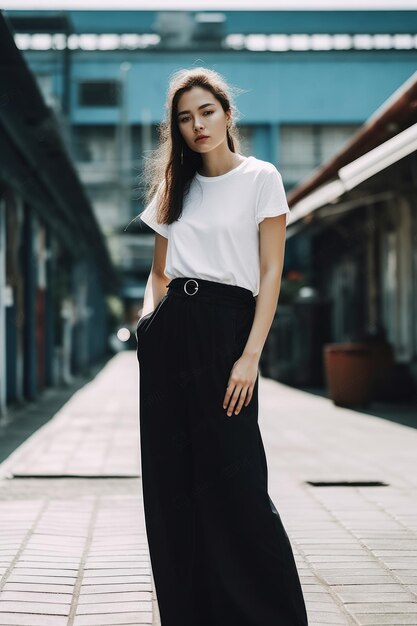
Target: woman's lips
[[202, 138]]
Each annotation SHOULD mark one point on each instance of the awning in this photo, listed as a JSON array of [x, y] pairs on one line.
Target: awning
[[379, 158]]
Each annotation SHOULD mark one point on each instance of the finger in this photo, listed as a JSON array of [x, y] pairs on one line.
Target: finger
[[233, 401], [229, 392], [231, 384], [241, 400], [249, 396]]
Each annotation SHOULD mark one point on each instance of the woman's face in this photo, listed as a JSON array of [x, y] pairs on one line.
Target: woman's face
[[200, 113]]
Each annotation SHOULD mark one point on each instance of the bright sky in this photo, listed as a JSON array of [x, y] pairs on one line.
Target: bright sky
[[202, 5]]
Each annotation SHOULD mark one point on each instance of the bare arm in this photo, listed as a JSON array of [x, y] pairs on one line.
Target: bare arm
[[156, 284], [245, 370], [272, 250]]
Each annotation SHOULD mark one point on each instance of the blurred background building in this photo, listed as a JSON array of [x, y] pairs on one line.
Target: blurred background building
[[310, 80], [358, 212], [55, 270]]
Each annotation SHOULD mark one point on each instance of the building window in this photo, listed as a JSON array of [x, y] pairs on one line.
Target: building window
[[95, 144], [303, 148], [98, 93]]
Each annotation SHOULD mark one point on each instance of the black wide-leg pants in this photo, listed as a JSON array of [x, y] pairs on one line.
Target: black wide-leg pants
[[219, 552]]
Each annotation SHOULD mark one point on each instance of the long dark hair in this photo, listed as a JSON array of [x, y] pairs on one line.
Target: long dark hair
[[164, 163]]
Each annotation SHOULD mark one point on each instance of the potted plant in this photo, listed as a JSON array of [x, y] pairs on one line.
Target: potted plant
[[355, 370], [349, 372]]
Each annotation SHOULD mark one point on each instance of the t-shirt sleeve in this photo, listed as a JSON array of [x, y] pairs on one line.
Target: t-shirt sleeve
[[148, 216], [271, 200]]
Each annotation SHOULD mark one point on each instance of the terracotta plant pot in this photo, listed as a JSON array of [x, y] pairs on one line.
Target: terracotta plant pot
[[349, 373]]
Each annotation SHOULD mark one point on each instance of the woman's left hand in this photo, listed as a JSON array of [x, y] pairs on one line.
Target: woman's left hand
[[241, 383]]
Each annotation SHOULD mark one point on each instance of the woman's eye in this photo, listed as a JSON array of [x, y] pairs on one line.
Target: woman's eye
[[185, 119]]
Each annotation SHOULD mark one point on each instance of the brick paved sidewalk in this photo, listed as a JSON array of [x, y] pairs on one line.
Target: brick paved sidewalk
[[73, 545]]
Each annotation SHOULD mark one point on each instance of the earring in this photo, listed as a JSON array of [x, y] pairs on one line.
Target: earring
[[182, 155]]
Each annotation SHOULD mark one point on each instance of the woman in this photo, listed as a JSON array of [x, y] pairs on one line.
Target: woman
[[220, 555]]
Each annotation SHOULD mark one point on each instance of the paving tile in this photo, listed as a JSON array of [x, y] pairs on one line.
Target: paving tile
[[366, 596], [120, 596], [114, 588], [114, 580], [382, 607], [45, 571], [56, 580], [115, 561], [130, 571], [348, 579], [389, 619], [104, 619], [93, 608], [323, 606], [22, 606], [40, 560], [38, 587], [29, 619], [325, 618], [33, 596], [388, 588]]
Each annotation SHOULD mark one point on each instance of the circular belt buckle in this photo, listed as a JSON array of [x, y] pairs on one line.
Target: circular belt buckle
[[191, 280]]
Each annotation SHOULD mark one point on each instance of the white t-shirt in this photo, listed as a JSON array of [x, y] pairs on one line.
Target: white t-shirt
[[217, 236]]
